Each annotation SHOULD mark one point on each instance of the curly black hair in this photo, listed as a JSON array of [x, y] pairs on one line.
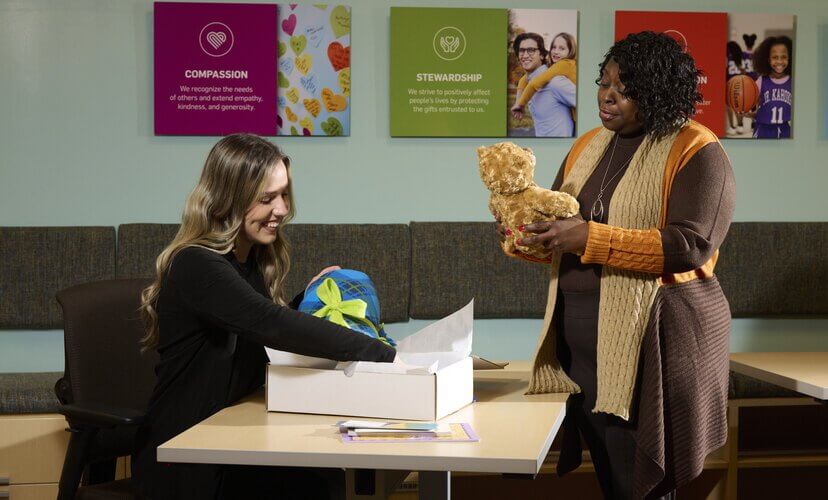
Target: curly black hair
[[761, 57], [661, 78]]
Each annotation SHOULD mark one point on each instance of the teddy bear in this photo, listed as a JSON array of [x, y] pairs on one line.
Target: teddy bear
[[508, 171]]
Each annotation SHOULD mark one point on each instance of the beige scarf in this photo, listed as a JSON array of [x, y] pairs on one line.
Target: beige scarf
[[626, 296]]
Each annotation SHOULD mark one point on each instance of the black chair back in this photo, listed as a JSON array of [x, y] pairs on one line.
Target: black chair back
[[102, 328]]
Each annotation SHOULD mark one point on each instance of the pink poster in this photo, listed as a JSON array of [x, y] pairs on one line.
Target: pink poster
[[215, 68]]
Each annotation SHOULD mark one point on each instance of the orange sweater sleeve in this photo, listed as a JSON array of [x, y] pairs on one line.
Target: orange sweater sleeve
[[631, 249]]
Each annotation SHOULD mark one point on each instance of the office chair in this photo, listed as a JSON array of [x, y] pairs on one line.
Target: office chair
[[106, 385]]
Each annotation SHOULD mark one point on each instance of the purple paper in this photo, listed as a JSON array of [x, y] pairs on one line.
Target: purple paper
[[472, 437], [215, 68]]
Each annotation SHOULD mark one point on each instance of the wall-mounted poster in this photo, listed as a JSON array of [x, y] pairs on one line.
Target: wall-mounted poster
[[215, 68], [759, 85], [314, 70], [542, 72], [448, 72], [483, 72], [703, 35]]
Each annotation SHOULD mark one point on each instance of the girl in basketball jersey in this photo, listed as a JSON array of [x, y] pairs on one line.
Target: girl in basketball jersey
[[773, 63]]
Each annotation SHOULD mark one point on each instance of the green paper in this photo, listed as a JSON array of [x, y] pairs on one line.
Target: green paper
[[298, 43], [341, 21], [332, 126]]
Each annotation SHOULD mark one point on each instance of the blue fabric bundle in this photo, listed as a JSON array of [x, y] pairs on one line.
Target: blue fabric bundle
[[348, 298]]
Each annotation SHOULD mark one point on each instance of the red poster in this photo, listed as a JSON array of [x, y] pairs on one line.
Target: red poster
[[704, 34]]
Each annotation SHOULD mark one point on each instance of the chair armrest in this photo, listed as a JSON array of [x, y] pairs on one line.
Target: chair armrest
[[100, 415]]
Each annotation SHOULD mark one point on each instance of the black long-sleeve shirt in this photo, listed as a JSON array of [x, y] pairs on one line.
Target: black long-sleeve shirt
[[215, 318]]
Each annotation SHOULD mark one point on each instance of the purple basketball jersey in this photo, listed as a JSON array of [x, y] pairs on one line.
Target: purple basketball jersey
[[774, 102]]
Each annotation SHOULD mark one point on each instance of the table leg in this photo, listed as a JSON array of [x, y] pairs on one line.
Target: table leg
[[370, 484], [435, 485]]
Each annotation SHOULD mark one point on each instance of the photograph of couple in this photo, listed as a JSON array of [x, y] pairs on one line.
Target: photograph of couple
[[542, 73]]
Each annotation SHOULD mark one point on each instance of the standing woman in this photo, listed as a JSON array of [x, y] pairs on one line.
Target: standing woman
[[636, 326], [216, 302]]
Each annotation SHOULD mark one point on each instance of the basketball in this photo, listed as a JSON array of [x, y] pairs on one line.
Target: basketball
[[742, 93]]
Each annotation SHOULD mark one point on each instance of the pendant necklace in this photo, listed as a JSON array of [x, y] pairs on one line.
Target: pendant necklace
[[596, 213]]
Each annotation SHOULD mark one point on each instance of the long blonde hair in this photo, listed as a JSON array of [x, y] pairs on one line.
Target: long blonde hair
[[233, 178]]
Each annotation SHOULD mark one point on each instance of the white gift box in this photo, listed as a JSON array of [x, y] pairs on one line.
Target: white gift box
[[382, 395], [442, 385]]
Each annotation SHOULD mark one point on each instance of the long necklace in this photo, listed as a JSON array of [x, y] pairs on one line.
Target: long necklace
[[596, 213]]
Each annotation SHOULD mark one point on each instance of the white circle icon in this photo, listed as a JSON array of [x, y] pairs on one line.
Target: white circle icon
[[216, 39], [449, 43]]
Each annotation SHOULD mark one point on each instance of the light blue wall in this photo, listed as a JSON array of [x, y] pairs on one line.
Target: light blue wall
[[76, 144]]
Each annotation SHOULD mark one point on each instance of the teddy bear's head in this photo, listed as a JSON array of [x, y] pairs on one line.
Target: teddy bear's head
[[506, 168]]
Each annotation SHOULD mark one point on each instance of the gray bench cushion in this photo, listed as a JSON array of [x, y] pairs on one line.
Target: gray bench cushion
[[37, 262], [775, 268], [380, 250], [28, 393], [139, 246], [453, 262]]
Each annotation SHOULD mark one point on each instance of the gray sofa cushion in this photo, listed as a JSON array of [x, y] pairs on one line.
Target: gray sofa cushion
[[28, 393], [775, 268], [139, 246], [454, 262], [37, 262], [382, 251]]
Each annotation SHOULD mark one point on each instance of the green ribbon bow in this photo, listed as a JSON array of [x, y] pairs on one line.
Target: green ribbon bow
[[336, 309]]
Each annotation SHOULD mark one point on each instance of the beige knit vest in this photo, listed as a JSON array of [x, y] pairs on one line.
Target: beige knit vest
[[626, 296]]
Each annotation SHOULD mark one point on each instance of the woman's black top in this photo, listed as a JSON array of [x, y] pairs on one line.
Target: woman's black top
[[215, 317]]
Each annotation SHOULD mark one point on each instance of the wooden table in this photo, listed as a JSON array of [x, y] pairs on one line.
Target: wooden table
[[515, 434], [803, 372]]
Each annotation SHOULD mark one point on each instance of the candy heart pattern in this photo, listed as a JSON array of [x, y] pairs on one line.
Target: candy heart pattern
[[313, 107], [304, 63], [333, 102], [314, 69], [339, 55]]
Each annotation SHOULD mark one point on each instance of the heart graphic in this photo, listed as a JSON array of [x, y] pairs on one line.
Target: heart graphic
[[332, 126], [345, 81], [216, 38], [282, 48], [289, 24], [283, 81], [341, 21], [313, 107], [339, 55], [293, 95], [292, 6], [286, 65], [298, 43], [332, 101], [293, 131], [309, 83], [306, 132], [304, 63], [307, 124], [291, 116]]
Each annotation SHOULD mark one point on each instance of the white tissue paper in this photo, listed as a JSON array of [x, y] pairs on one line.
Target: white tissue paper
[[436, 346]]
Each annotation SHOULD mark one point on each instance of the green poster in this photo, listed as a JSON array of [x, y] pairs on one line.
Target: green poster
[[448, 72]]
